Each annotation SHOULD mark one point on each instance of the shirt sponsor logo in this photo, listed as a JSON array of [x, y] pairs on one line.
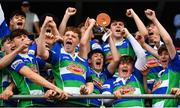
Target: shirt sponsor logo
[[106, 86], [152, 62], [16, 63], [127, 90], [76, 69], [157, 85]]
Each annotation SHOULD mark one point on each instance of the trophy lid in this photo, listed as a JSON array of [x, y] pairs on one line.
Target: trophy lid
[[103, 19]]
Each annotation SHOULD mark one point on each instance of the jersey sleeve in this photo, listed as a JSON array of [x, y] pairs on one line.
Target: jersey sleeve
[[107, 87], [89, 75], [138, 75], [17, 64], [41, 62], [174, 63], [54, 53], [107, 73]]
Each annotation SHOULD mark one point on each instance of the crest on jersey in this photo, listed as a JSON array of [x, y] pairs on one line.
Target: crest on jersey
[[98, 83], [157, 85]]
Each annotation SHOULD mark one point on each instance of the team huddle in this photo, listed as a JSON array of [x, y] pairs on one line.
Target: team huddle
[[67, 60]]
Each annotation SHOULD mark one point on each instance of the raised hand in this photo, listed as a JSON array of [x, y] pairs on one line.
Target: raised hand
[[150, 14], [145, 70], [25, 44], [125, 32], [92, 22], [130, 12], [71, 11], [140, 38]]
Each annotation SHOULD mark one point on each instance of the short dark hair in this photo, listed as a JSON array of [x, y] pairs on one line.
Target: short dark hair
[[126, 59], [18, 32], [149, 23], [4, 39], [17, 13], [119, 20], [90, 54], [162, 48], [75, 30]]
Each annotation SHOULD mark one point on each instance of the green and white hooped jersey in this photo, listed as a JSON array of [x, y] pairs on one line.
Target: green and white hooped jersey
[[23, 84], [70, 72], [170, 79]]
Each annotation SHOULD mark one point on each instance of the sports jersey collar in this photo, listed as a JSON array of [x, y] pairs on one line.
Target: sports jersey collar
[[73, 57], [123, 80], [97, 73], [161, 43], [119, 42]]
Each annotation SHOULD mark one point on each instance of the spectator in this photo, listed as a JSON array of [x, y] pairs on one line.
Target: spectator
[[177, 25], [32, 19]]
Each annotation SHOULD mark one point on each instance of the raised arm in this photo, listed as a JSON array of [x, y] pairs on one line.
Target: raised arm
[[116, 56], [144, 72], [36, 78], [70, 11], [163, 33], [147, 47], [140, 25], [139, 51], [41, 45], [84, 42], [7, 59]]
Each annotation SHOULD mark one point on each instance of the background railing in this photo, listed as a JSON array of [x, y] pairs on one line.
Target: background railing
[[100, 96]]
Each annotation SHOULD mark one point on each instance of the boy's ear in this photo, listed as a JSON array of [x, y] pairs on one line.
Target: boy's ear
[[2, 48], [89, 61], [10, 22]]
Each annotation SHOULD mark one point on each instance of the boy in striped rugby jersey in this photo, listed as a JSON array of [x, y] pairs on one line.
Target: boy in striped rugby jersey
[[129, 79], [168, 77], [70, 69]]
